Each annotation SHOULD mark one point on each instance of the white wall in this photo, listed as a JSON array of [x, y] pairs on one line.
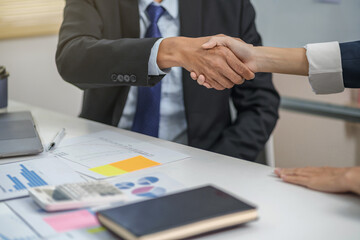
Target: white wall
[[33, 75], [303, 139], [293, 23]]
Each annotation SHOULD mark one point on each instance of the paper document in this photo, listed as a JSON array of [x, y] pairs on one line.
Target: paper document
[[49, 224], [15, 178], [12, 227], [108, 154], [147, 186], [96, 233]]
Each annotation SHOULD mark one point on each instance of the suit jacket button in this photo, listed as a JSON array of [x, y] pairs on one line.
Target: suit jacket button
[[114, 77], [133, 78], [126, 78], [120, 78]]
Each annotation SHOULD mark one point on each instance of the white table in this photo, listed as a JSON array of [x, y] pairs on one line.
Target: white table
[[286, 211]]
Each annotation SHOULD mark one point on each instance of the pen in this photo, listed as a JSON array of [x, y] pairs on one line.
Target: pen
[[58, 137]]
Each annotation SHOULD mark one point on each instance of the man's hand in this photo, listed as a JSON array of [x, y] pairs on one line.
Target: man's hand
[[219, 65], [324, 179], [243, 51]]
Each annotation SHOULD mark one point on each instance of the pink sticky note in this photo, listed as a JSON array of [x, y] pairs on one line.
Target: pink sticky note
[[73, 220]]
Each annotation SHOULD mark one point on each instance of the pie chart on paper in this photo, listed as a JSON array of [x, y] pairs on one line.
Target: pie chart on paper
[[147, 180], [149, 192], [125, 185]]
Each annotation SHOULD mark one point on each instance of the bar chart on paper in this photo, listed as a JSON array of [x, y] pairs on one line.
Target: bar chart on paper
[[15, 178], [32, 179]]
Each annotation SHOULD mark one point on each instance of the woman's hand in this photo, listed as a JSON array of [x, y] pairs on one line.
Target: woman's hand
[[326, 179]]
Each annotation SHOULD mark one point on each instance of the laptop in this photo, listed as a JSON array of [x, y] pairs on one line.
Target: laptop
[[18, 135]]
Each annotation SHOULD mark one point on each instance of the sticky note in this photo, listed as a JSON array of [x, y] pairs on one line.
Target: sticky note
[[72, 220], [96, 230], [135, 163], [108, 170]]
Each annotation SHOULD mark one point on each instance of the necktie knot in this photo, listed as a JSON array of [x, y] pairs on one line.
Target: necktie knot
[[154, 12]]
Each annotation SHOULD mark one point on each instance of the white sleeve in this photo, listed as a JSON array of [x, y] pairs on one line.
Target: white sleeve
[[154, 69], [325, 69]]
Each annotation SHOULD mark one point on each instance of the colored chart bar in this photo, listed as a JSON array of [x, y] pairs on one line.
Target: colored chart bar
[[18, 185], [124, 166], [108, 170], [34, 179], [134, 164]]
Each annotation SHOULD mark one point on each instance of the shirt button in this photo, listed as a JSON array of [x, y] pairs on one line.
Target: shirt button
[[133, 78], [114, 77], [120, 78]]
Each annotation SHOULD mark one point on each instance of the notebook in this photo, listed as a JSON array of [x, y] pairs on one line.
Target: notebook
[[18, 135], [177, 216]]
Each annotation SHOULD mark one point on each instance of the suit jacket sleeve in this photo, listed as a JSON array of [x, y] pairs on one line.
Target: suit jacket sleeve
[[256, 102], [350, 60], [88, 59]]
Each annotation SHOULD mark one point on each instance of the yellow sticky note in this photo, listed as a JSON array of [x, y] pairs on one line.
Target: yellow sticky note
[[108, 170]]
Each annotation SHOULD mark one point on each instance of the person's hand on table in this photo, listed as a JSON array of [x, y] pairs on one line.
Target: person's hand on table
[[243, 51], [326, 179], [219, 65]]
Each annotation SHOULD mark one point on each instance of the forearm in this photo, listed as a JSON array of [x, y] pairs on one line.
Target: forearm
[[169, 55], [174, 51], [281, 60], [352, 179], [91, 63]]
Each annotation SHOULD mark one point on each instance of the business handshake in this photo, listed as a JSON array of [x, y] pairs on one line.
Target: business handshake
[[244, 65], [218, 62]]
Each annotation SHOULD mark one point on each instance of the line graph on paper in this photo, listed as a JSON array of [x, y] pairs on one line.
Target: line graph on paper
[[85, 151], [103, 150]]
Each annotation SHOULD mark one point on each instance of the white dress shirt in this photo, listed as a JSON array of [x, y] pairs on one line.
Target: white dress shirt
[[173, 124], [325, 68]]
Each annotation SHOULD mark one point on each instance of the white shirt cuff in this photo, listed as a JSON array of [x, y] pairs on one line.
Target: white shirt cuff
[[325, 69], [153, 68]]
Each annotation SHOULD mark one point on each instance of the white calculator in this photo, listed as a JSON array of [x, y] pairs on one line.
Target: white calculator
[[76, 195]]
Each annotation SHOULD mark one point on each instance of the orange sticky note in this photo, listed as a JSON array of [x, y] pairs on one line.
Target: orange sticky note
[[135, 163]]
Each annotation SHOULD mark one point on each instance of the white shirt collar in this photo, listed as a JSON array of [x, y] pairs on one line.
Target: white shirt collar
[[171, 6]]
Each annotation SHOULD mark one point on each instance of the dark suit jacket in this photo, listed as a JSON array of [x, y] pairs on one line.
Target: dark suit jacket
[[350, 59], [100, 52]]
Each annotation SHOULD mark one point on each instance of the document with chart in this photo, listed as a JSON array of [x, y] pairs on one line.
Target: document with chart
[[148, 186], [108, 154], [94, 233], [15, 178], [50, 224], [12, 227]]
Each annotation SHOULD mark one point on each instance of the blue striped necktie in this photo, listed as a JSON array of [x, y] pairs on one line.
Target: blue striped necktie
[[147, 116]]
